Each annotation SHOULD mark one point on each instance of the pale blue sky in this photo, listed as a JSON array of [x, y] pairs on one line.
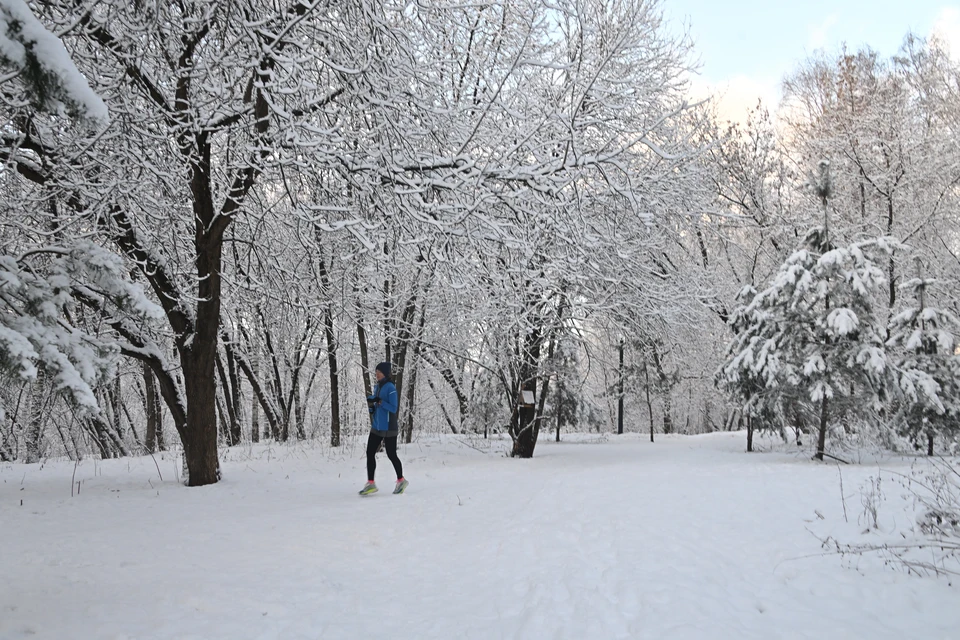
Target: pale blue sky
[[753, 43]]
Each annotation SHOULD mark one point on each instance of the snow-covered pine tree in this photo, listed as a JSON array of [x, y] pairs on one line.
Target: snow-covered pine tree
[[47, 75], [923, 345], [753, 386], [39, 295], [812, 334]]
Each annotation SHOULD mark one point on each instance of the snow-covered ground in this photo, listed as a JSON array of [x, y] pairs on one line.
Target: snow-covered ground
[[614, 537]]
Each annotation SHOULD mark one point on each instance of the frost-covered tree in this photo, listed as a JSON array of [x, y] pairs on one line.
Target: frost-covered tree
[[40, 67], [44, 283], [894, 160], [813, 334], [209, 99], [923, 344], [40, 296]]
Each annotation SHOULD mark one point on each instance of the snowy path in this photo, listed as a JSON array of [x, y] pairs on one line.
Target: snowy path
[[685, 538]]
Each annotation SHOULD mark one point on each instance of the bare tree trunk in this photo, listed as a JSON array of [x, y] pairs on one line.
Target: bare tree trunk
[[299, 412], [263, 399], [152, 409], [94, 428], [35, 422], [254, 406], [236, 433], [451, 380], [198, 351], [822, 437], [223, 421], [364, 359], [200, 436], [443, 409], [280, 423], [749, 433], [411, 397], [6, 453], [523, 423], [414, 369], [620, 392], [329, 332], [646, 373], [231, 427], [559, 411], [667, 412]]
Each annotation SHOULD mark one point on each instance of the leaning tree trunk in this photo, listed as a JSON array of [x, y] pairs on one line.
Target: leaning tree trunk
[[364, 359]]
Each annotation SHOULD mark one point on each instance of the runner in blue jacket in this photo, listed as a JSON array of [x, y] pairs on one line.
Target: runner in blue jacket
[[383, 404]]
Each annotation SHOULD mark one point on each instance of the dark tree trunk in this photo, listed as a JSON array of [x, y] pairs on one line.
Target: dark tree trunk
[[236, 433], [329, 332], [412, 383], [524, 425], [200, 437], [930, 444], [228, 412], [364, 360], [667, 412], [526, 440], [254, 407], [822, 436], [749, 434], [559, 411], [280, 422], [891, 270], [411, 398], [198, 352], [646, 373], [403, 339], [620, 392]]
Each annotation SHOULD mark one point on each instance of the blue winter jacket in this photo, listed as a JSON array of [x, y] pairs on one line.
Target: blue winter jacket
[[385, 410]]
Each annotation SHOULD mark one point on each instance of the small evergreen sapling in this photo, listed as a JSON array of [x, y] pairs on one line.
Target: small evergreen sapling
[[927, 366]]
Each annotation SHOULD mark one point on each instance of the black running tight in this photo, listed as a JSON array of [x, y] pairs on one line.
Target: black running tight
[[373, 443]]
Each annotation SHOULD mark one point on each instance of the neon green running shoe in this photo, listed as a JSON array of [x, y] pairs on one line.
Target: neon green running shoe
[[401, 486], [368, 488]]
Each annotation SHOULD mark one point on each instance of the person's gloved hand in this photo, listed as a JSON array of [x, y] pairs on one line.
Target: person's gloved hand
[[372, 402]]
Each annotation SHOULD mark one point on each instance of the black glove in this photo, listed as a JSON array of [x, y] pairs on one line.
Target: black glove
[[372, 402]]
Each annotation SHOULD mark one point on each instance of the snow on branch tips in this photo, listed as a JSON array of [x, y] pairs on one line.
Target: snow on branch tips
[[36, 305], [51, 80]]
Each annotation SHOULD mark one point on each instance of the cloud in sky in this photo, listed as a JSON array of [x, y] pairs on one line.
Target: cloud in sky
[[820, 34], [947, 28], [747, 47], [734, 98]]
